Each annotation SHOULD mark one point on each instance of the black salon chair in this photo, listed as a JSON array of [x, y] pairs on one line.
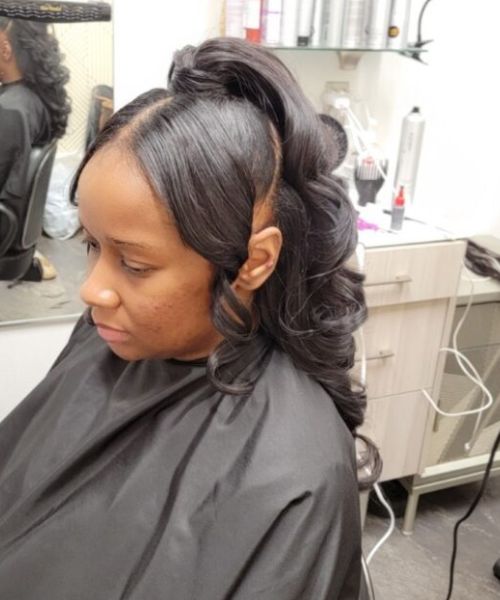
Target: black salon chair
[[22, 227], [101, 108]]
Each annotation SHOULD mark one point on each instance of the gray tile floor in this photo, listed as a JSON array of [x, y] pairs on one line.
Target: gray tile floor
[[416, 567], [47, 299]]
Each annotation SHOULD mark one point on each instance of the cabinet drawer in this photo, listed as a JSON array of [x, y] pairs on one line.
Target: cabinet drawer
[[401, 344], [396, 424], [412, 273]]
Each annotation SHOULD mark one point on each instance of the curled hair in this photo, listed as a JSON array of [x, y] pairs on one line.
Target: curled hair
[[482, 260], [234, 129], [40, 62]]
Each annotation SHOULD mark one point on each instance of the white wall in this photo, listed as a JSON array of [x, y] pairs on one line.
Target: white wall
[[146, 35], [457, 91], [26, 354]]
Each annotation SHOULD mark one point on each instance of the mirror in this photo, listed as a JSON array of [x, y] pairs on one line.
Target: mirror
[[86, 48]]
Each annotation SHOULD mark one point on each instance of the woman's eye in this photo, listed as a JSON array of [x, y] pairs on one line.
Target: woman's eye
[[90, 245], [135, 270]]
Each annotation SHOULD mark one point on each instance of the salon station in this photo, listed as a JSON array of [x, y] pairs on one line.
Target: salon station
[[414, 166]]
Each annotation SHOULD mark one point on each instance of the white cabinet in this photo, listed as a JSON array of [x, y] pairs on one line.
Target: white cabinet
[[410, 292]]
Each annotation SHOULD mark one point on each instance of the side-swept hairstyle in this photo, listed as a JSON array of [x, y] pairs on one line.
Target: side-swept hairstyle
[[40, 61], [233, 129]]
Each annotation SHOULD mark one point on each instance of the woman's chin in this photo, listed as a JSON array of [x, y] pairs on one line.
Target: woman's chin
[[125, 353]]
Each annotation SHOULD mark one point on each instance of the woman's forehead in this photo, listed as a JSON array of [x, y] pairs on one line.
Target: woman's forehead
[[113, 193]]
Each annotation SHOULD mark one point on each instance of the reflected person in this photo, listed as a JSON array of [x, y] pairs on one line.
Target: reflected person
[[34, 105]]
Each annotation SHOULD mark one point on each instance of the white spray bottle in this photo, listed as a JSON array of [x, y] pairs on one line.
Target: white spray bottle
[[410, 147]]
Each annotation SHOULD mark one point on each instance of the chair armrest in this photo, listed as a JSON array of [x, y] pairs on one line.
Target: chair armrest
[[11, 218]]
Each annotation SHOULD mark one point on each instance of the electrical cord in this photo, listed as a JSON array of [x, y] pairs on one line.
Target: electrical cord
[[468, 514], [392, 524], [469, 371], [464, 363], [360, 259], [420, 43], [368, 579]]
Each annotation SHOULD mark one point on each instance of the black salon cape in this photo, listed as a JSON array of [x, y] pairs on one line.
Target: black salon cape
[[136, 480], [24, 123]]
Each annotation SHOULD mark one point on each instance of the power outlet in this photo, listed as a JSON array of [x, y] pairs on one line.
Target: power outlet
[[337, 86]]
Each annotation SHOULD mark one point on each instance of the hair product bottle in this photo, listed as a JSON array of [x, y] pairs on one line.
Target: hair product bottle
[[271, 22], [334, 13], [289, 22], [252, 20], [306, 8], [318, 33], [397, 33], [378, 22], [410, 146], [353, 31], [235, 10], [398, 210]]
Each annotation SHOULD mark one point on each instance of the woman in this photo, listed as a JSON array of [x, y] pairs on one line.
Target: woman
[[195, 439], [33, 81], [34, 106]]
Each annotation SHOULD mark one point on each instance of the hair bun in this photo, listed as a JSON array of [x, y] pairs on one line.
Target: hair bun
[[185, 78], [336, 140]]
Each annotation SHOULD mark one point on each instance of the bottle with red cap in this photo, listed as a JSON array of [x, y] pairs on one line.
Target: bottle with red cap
[[398, 210], [253, 32]]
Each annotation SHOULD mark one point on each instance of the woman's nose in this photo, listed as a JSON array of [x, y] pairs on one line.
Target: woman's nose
[[98, 290]]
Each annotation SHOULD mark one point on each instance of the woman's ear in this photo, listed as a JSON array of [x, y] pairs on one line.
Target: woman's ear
[[5, 47], [263, 252]]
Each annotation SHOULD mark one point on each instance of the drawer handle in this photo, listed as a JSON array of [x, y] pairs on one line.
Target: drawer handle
[[398, 279], [381, 354]]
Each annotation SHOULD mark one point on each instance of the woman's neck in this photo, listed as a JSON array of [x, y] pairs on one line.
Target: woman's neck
[[12, 74]]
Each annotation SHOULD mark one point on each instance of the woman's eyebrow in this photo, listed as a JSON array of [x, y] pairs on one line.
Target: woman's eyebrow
[[130, 244], [118, 242]]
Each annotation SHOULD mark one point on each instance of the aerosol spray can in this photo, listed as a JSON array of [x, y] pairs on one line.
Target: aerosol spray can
[[251, 21], [399, 19], [378, 22], [289, 22], [235, 12], [354, 25], [271, 22], [410, 146], [334, 9]]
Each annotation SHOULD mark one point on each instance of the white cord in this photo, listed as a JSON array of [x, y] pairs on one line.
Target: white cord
[[463, 363], [389, 531], [472, 374], [360, 258]]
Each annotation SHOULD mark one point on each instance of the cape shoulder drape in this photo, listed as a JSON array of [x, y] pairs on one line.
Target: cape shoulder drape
[[137, 480]]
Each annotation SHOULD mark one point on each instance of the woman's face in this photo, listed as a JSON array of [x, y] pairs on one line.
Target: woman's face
[[4, 53], [149, 293]]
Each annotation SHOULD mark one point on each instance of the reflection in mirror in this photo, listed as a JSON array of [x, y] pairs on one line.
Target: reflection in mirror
[[46, 123]]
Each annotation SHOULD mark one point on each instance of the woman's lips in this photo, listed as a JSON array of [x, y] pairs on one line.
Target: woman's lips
[[113, 336]]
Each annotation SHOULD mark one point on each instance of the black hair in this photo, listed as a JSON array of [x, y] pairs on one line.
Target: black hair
[[40, 62], [482, 260], [233, 128]]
